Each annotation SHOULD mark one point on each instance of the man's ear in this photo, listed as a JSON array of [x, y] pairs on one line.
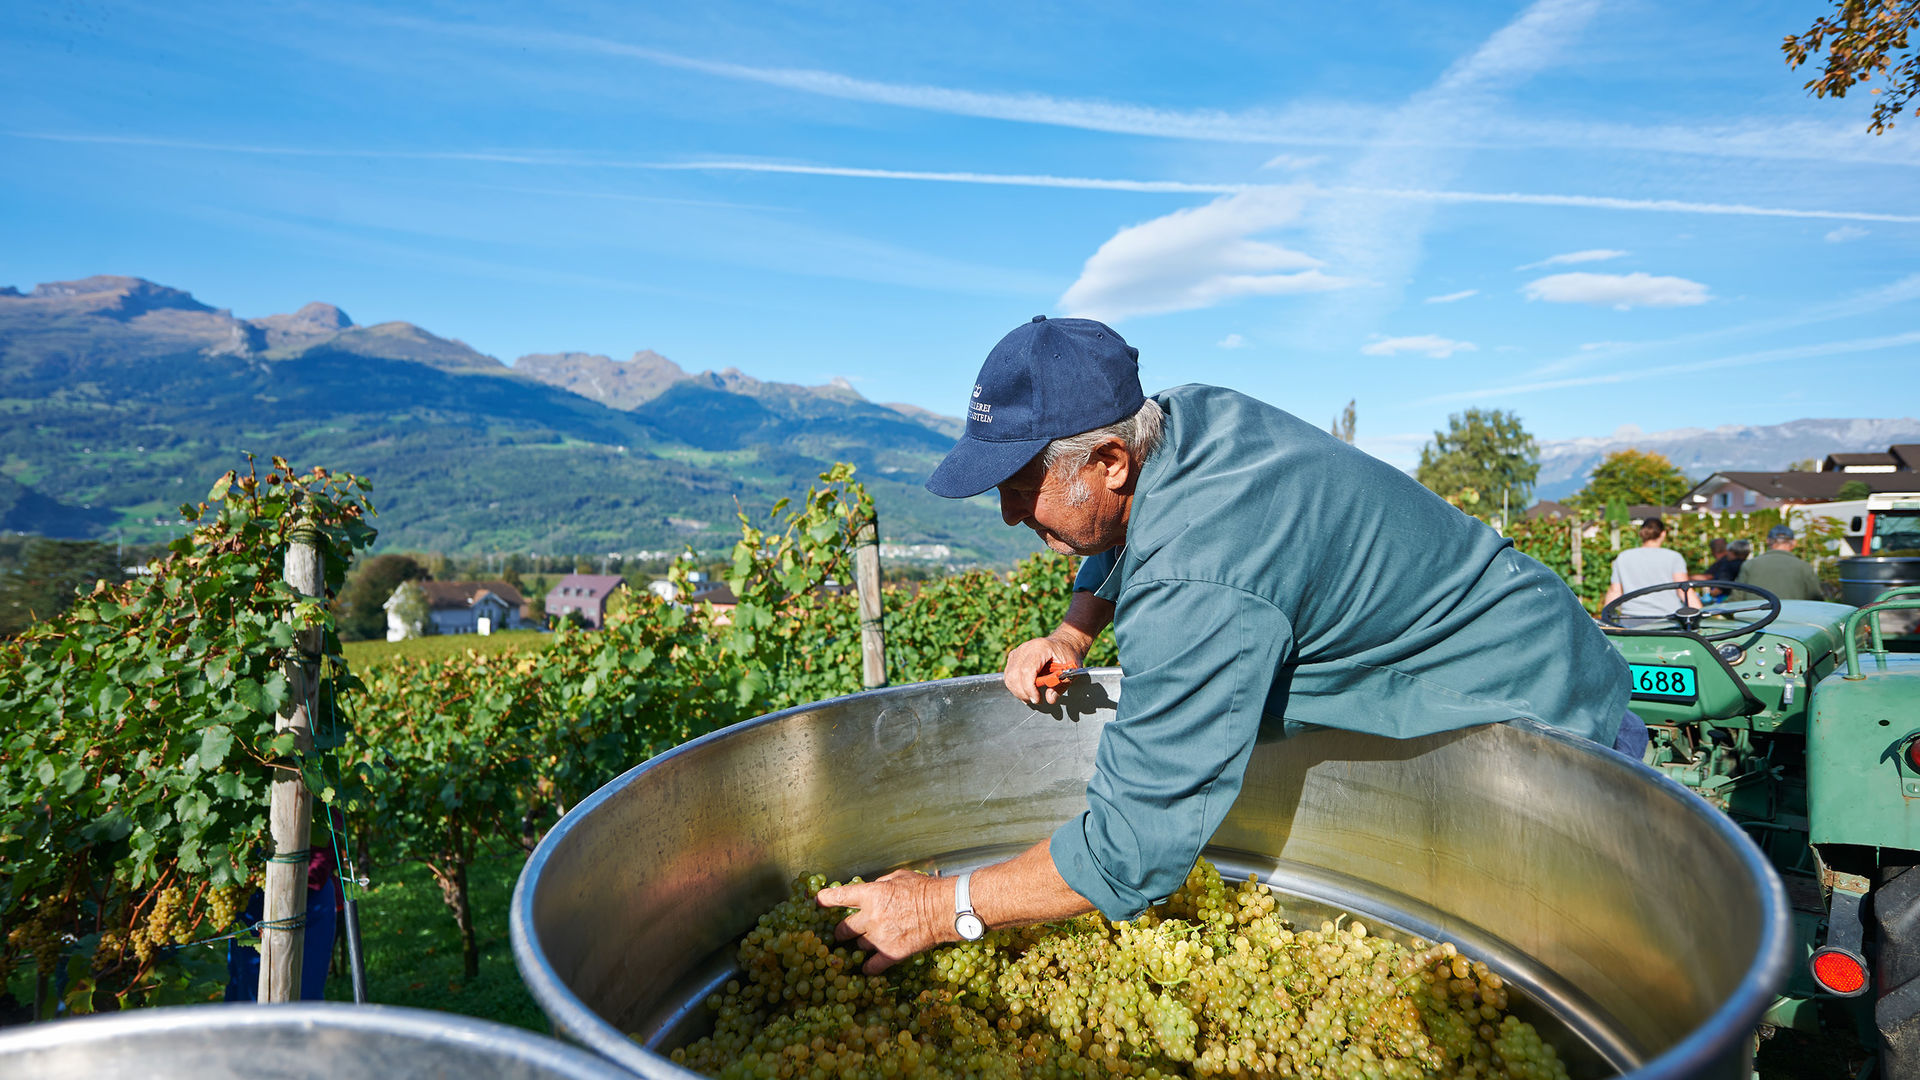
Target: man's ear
[[1115, 465]]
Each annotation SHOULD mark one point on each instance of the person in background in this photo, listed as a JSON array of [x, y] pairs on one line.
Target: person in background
[[1645, 566], [1725, 565], [1716, 554], [1780, 571]]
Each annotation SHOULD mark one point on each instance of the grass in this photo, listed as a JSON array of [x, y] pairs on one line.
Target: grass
[[413, 948], [364, 654], [412, 952]]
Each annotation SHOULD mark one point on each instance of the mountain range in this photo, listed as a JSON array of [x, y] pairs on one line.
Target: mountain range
[[1700, 452], [125, 398]]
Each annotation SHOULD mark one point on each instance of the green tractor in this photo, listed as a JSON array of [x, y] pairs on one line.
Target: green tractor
[[1799, 721]]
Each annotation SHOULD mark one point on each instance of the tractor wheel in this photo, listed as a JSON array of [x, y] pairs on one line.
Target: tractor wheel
[[1896, 1012]]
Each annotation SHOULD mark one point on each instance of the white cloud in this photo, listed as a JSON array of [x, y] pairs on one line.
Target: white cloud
[[1664, 371], [1526, 41], [1231, 341], [1449, 298], [1196, 258], [1845, 233], [1379, 237], [1608, 202], [1572, 257], [552, 159], [1293, 162], [1621, 291], [1416, 195], [1152, 187], [1425, 344]]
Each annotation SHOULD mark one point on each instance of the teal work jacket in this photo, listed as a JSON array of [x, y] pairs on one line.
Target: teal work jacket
[[1272, 572]]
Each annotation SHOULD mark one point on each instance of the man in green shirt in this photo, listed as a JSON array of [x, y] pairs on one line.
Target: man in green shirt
[[1780, 571], [1254, 569]]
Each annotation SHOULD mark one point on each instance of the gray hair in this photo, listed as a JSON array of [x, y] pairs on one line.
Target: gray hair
[[1742, 548], [1139, 433]]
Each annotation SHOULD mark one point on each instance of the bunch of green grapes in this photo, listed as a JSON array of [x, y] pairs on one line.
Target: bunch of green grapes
[[165, 924], [37, 937], [224, 904], [1213, 982], [113, 944]]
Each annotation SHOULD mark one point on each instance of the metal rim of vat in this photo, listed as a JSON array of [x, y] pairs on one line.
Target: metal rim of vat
[[1720, 1035], [223, 1023]]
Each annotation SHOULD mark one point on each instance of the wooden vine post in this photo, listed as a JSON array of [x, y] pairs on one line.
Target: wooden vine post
[[283, 936], [1573, 541], [866, 583]]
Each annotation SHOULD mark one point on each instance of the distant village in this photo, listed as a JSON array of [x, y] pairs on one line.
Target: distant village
[[484, 607], [1838, 489]]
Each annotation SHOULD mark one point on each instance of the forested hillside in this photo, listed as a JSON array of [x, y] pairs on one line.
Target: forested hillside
[[118, 392]]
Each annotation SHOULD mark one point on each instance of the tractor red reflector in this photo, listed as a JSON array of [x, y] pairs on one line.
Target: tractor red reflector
[[1913, 754], [1839, 972]]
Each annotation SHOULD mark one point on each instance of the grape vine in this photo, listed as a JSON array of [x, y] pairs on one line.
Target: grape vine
[[140, 740]]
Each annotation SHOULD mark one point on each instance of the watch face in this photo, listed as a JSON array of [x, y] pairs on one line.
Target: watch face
[[969, 926]]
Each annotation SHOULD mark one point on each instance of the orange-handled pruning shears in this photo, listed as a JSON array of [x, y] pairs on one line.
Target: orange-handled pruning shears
[[1051, 676]]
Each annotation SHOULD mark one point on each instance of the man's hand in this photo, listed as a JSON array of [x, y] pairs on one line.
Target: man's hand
[[901, 914], [1066, 647]]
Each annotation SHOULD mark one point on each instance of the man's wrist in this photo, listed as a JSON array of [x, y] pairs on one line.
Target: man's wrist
[[940, 915], [1075, 640]]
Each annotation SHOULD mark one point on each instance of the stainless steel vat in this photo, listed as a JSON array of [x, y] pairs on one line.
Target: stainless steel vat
[[1864, 577], [1622, 904], [310, 1041]]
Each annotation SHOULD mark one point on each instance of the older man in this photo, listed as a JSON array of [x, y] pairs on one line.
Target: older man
[[1254, 568], [1780, 571]]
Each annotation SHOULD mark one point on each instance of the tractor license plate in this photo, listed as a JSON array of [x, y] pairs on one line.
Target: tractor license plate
[[1663, 683]]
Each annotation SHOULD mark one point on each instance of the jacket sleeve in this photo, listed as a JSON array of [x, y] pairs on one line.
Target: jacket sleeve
[[1200, 660]]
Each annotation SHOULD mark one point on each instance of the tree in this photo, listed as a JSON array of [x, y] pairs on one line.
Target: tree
[[1484, 460], [1852, 489], [1862, 37], [1805, 465], [362, 618], [44, 576], [1633, 477], [1342, 428]]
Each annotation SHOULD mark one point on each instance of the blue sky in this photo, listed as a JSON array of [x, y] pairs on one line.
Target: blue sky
[[1594, 214]]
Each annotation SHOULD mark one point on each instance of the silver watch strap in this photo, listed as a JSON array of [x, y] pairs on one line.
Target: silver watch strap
[[962, 895]]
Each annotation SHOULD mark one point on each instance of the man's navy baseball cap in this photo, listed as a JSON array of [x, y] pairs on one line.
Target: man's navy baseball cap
[[1049, 379], [1779, 533]]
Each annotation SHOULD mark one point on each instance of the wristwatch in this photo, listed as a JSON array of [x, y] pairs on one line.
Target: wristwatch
[[966, 922]]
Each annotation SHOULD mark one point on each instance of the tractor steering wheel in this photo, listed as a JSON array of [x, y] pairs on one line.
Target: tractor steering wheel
[[1688, 619]]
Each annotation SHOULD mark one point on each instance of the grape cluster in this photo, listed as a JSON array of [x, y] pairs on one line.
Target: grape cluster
[[166, 924], [37, 938], [113, 944], [1213, 982], [224, 904]]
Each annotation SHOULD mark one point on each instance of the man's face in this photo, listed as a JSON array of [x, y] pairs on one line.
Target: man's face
[[1040, 500]]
